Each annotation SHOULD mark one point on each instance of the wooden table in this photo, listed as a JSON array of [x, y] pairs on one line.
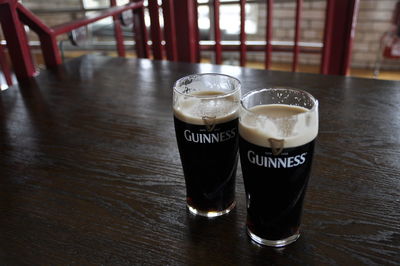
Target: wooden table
[[90, 172]]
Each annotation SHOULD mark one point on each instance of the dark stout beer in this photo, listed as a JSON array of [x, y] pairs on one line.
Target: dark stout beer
[[207, 136], [275, 188], [275, 170], [209, 160]]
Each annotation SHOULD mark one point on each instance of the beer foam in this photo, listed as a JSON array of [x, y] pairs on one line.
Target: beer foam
[[195, 110], [294, 125]]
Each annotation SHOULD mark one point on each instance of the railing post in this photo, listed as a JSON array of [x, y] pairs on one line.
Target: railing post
[[340, 22], [217, 33], [48, 42], [296, 48], [169, 30], [268, 34], [4, 67], [140, 33], [119, 38], [187, 43], [196, 30], [51, 52], [16, 38], [155, 30], [243, 33]]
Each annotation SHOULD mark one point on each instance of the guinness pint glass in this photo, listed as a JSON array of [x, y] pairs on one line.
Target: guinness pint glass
[[206, 110], [277, 131]]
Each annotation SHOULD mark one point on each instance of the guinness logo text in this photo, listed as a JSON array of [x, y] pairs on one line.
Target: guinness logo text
[[276, 162], [213, 137]]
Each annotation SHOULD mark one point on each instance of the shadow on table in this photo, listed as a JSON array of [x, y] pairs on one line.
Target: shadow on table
[[224, 241]]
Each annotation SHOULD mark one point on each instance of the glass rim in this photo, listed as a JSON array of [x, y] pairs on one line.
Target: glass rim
[[313, 99], [223, 95]]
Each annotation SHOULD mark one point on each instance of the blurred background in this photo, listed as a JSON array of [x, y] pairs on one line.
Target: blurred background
[[375, 19]]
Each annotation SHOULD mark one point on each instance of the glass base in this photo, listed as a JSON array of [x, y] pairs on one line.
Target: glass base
[[273, 243], [211, 214]]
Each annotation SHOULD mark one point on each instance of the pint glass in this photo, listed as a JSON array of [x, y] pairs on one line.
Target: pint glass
[[206, 110], [277, 131]]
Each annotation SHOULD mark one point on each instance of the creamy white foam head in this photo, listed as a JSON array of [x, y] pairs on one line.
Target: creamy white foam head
[[294, 125], [196, 107]]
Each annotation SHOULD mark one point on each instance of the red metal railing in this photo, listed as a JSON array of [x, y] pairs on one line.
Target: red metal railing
[[268, 35], [119, 38], [339, 30], [155, 29], [17, 42], [179, 39], [242, 32], [13, 15], [4, 67], [335, 58], [170, 30], [341, 16], [217, 34], [296, 48], [243, 46]]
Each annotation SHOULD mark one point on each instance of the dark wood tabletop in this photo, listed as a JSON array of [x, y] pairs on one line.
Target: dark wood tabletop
[[90, 172]]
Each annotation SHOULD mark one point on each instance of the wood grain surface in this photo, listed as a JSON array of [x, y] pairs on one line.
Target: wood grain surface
[[90, 172]]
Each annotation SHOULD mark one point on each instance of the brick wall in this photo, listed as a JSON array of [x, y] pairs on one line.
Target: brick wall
[[373, 20]]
